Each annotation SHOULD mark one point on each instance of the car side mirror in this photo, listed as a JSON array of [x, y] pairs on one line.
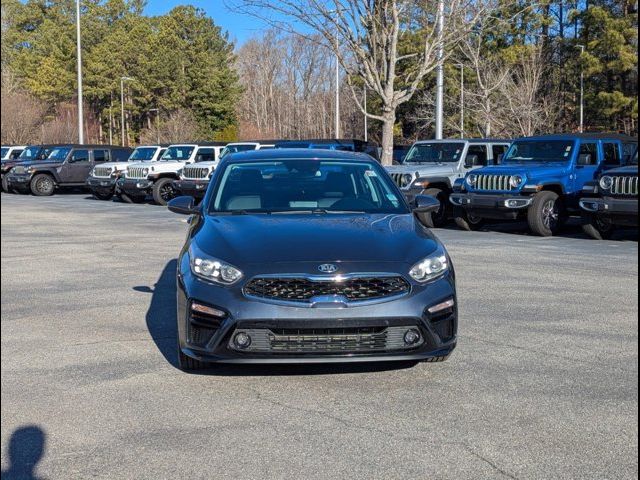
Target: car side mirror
[[184, 205], [425, 205], [471, 161]]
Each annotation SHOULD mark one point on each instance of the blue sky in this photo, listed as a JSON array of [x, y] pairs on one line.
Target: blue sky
[[240, 27]]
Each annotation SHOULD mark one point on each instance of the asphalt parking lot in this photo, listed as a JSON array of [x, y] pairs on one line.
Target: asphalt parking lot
[[544, 383]]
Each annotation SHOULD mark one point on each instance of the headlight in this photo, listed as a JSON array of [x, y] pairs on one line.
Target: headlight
[[407, 178], [179, 173], [212, 269], [145, 171], [431, 267], [515, 181], [472, 179], [606, 183]]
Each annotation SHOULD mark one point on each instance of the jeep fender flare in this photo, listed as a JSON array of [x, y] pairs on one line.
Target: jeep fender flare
[[553, 187], [158, 176], [49, 171]]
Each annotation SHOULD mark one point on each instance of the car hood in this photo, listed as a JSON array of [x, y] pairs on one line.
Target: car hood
[[41, 163], [425, 169], [528, 169], [119, 165], [628, 170], [315, 239], [162, 166]]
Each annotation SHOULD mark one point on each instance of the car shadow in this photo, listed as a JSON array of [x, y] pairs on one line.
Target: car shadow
[[162, 326], [26, 449]]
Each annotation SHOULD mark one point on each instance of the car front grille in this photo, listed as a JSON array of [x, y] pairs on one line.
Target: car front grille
[[402, 179], [19, 170], [327, 340], [102, 172], [136, 172], [195, 173], [625, 186], [494, 183], [304, 290]]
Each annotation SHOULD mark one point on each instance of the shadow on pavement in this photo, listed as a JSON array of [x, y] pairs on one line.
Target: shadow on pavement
[[26, 449], [161, 322]]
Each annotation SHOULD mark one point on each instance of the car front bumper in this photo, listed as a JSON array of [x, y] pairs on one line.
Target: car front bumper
[[492, 206], [101, 184], [620, 211], [18, 180], [194, 188], [134, 186], [438, 331]]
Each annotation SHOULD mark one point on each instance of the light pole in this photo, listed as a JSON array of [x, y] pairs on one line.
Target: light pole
[[157, 112], [79, 59], [122, 80], [440, 78], [461, 100], [581, 47], [337, 85]]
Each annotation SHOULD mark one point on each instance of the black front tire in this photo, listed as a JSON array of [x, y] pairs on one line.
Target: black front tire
[[163, 191], [42, 185], [102, 196], [467, 222], [546, 215], [441, 217], [188, 364], [597, 228], [127, 198], [5, 185]]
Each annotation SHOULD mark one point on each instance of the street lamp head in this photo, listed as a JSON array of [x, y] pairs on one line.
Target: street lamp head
[[128, 79]]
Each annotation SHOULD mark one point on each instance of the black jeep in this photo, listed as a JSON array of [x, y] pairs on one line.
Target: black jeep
[[66, 166]]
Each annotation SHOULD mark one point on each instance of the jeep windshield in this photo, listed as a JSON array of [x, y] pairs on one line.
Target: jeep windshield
[[143, 154], [178, 153], [34, 153], [539, 151], [237, 148], [437, 152], [303, 186], [4, 152], [59, 154]]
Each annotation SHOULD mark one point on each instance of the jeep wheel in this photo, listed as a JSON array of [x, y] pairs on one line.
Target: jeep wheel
[[42, 185], [467, 221], [441, 217], [127, 198], [163, 191], [596, 227], [188, 364], [102, 196], [546, 215], [5, 184]]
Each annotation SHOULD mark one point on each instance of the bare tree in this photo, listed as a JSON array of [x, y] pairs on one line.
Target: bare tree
[[180, 126], [21, 117], [372, 42]]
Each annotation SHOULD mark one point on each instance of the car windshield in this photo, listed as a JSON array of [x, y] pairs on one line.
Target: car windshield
[[305, 186], [4, 151], [29, 153], [59, 153], [437, 152], [143, 154], [178, 153], [237, 148], [539, 151]]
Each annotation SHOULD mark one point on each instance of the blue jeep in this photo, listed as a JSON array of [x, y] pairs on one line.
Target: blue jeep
[[611, 201], [540, 179]]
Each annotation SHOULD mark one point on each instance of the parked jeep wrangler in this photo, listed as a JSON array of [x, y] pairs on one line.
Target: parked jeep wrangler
[[103, 177], [540, 180], [194, 179], [17, 156], [611, 201], [66, 166], [142, 178], [432, 167]]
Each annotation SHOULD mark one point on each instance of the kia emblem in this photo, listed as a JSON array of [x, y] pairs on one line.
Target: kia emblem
[[328, 268]]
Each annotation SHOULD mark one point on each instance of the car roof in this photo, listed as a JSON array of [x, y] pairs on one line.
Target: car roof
[[87, 145], [297, 154], [585, 136], [466, 140]]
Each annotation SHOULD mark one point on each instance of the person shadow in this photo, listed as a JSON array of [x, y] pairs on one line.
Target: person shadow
[[26, 449]]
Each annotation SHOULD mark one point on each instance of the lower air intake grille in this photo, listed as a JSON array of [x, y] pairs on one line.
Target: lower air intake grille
[[303, 290]]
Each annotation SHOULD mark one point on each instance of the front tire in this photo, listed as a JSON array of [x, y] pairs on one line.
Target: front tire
[[163, 191], [102, 196], [441, 217], [42, 185], [126, 198], [546, 215], [597, 228], [188, 364], [5, 185], [468, 222]]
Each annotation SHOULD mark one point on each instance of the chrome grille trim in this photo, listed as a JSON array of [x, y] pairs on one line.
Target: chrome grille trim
[[195, 173], [494, 183], [103, 172], [136, 172], [625, 186]]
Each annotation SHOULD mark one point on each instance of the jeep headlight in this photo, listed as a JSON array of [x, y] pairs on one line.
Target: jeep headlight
[[145, 171], [472, 179], [179, 173], [516, 180], [212, 269], [606, 182], [432, 267]]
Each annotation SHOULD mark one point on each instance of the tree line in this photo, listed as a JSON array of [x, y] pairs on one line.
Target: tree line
[[512, 68]]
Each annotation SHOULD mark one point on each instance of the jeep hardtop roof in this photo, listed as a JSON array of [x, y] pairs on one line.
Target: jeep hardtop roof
[[466, 140], [584, 136]]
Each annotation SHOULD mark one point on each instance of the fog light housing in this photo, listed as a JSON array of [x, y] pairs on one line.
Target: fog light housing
[[412, 337], [242, 340]]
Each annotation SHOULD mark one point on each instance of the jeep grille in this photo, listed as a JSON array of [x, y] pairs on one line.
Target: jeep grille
[[136, 172], [195, 173], [102, 172], [494, 182], [402, 179], [625, 186]]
